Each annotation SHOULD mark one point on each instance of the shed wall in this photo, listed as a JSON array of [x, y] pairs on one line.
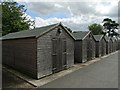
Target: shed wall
[[93, 48], [110, 46], [20, 54], [90, 43], [103, 47], [98, 49], [107, 47], [44, 51], [78, 51], [115, 45], [82, 51]]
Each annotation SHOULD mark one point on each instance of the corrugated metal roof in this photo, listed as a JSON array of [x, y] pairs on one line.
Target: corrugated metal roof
[[29, 33], [98, 37], [79, 35]]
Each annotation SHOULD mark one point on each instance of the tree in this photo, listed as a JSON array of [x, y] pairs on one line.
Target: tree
[[14, 18], [96, 29], [110, 26]]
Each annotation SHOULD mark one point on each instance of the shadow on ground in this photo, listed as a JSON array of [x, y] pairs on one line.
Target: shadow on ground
[[11, 81]]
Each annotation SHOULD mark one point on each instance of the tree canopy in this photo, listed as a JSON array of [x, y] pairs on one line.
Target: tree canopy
[[14, 18], [96, 29], [110, 26]]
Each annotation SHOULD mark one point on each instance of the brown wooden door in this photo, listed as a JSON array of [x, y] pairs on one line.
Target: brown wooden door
[[58, 54]]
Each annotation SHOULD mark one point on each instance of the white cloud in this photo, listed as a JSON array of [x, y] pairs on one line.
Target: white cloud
[[77, 8], [66, 0], [76, 22], [102, 9], [81, 12], [107, 8], [58, 5]]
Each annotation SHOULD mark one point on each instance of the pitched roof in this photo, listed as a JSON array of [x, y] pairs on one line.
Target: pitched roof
[[98, 37], [32, 33], [80, 35], [28, 33], [107, 38], [114, 38]]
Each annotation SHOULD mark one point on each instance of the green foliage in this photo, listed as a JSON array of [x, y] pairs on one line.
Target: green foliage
[[96, 29], [110, 26], [13, 18]]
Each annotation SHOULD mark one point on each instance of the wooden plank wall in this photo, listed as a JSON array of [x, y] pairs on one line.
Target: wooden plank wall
[[20, 54], [44, 52], [78, 51]]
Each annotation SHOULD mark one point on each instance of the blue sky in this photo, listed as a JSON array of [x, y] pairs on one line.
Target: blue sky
[[74, 14], [34, 14], [57, 14]]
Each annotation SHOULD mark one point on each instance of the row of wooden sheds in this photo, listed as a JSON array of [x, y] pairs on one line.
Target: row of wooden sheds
[[49, 49]]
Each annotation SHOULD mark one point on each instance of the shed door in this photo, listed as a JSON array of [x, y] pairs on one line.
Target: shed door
[[58, 54], [64, 53], [103, 48], [54, 53], [88, 46]]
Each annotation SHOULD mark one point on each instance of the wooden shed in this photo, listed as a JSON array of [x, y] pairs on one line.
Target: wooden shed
[[107, 44], [100, 45], [84, 46], [117, 43], [39, 52], [114, 44], [1, 51], [111, 45]]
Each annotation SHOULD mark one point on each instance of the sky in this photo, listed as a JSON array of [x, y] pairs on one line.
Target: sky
[[75, 14]]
